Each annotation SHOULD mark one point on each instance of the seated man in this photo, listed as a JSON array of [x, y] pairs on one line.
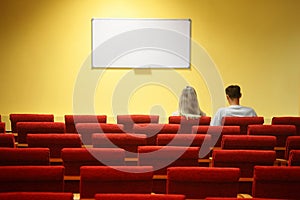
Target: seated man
[[233, 95]]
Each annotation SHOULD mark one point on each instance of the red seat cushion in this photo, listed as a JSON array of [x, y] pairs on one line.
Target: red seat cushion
[[74, 158], [202, 182], [24, 128], [86, 130], [31, 178], [248, 142], [139, 197], [276, 182], [216, 132], [71, 120], [36, 196], [7, 140], [243, 122], [24, 156], [162, 157], [243, 159], [129, 120], [54, 141], [15, 118], [120, 179], [186, 124]]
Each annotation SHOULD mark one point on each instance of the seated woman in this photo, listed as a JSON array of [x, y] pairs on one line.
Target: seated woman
[[188, 104]]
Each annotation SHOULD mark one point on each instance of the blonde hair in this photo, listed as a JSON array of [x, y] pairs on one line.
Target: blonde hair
[[188, 102]]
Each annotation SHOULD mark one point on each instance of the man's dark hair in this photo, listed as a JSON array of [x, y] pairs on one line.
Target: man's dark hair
[[233, 91]]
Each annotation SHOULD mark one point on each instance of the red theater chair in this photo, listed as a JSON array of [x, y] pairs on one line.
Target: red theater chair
[[276, 182], [15, 118], [127, 141], [2, 127], [38, 127], [250, 142], [119, 179], [151, 130], [186, 124], [221, 198], [292, 143], [86, 130], [288, 121], [243, 122], [24, 156], [139, 197], [72, 120], [129, 120], [74, 158], [7, 140], [187, 140], [36, 196], [202, 182], [55, 142], [281, 132], [245, 160], [31, 179], [162, 157], [294, 158], [193, 140], [216, 132]]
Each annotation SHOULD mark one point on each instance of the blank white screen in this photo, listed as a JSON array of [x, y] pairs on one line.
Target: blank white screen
[[141, 43]]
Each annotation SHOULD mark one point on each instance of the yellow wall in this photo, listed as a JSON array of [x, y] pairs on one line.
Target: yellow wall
[[44, 44]]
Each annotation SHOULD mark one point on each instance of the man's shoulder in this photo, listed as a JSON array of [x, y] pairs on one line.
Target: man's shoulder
[[248, 111], [248, 108], [222, 109]]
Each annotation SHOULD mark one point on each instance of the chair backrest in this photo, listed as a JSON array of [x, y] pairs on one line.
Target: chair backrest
[[288, 121], [119, 179], [86, 130], [243, 122], [127, 141], [2, 127], [162, 157], [23, 128], [281, 132], [151, 130], [15, 118], [243, 159], [72, 120], [186, 124], [187, 140], [276, 182], [238, 198], [7, 140], [129, 120], [202, 182], [54, 141], [250, 142], [31, 179], [193, 140], [24, 156], [294, 158], [292, 143], [216, 132], [74, 158], [139, 197], [36, 196]]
